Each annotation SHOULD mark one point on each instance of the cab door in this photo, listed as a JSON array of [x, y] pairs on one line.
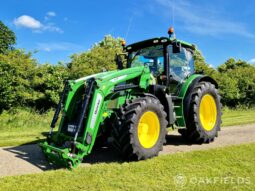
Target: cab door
[[181, 66]]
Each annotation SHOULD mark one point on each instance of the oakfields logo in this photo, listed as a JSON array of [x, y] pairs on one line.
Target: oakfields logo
[[181, 180]]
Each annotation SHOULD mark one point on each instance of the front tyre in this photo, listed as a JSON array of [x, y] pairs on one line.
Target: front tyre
[[140, 128]]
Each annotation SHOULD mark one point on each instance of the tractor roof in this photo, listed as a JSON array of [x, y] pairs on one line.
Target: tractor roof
[[157, 41]]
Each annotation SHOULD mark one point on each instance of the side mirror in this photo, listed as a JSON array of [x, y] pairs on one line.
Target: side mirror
[[119, 62], [177, 47]]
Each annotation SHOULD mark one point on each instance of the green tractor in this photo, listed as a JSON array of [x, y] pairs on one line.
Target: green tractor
[[133, 106]]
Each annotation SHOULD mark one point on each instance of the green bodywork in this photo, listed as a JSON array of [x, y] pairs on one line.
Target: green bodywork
[[101, 107], [108, 95], [180, 121]]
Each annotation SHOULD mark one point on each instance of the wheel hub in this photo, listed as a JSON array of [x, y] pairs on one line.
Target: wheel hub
[[148, 129], [208, 112]]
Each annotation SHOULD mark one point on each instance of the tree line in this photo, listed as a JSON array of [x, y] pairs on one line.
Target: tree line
[[24, 82]]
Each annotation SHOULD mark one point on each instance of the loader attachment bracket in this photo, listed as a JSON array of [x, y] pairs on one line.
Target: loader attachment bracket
[[61, 156]]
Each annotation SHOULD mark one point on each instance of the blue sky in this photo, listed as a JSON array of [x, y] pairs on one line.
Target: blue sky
[[57, 29]]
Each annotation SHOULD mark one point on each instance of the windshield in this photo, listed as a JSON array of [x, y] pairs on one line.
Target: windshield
[[151, 56]]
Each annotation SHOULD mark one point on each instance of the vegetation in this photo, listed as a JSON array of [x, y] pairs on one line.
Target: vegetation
[[236, 79], [229, 168], [23, 126], [237, 82], [7, 38], [26, 83], [23, 82], [99, 58], [237, 116]]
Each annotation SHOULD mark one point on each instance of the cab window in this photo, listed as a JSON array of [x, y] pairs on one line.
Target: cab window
[[181, 64], [152, 56]]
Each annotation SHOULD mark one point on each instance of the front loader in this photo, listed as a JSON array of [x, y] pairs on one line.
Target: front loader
[[132, 107]]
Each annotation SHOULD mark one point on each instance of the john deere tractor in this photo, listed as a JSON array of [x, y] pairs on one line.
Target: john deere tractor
[[133, 106]]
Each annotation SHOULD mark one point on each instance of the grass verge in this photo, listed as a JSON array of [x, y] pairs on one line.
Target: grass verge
[[26, 126], [229, 168], [238, 116], [23, 126]]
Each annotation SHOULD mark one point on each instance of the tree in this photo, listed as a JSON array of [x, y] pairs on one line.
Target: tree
[[202, 66], [100, 57], [228, 89], [24, 82], [231, 64], [47, 84], [7, 38], [16, 72], [237, 83]]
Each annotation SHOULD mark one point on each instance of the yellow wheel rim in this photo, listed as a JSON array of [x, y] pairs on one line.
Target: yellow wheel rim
[[148, 129], [208, 112]]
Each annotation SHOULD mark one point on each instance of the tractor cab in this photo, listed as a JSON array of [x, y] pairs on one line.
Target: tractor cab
[[169, 60]]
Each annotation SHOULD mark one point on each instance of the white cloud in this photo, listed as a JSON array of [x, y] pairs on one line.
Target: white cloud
[[51, 14], [28, 22], [51, 27], [66, 19], [252, 61], [58, 46], [201, 20]]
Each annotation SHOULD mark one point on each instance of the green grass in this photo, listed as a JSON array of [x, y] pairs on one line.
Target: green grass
[[23, 126], [238, 116], [229, 168], [27, 126]]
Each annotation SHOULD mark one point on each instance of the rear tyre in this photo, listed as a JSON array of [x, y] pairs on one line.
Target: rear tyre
[[204, 116], [140, 128]]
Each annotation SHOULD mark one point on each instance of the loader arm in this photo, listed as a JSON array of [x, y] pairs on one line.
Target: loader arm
[[87, 104]]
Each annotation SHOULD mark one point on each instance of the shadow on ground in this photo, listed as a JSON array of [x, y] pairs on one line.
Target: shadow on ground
[[176, 140], [33, 154], [109, 154]]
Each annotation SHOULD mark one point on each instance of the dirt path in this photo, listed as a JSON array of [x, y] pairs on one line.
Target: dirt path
[[28, 159]]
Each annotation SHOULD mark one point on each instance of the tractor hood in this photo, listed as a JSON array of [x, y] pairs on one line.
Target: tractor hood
[[94, 76], [118, 76]]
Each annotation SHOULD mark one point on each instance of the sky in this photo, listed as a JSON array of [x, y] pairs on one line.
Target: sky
[[54, 29]]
